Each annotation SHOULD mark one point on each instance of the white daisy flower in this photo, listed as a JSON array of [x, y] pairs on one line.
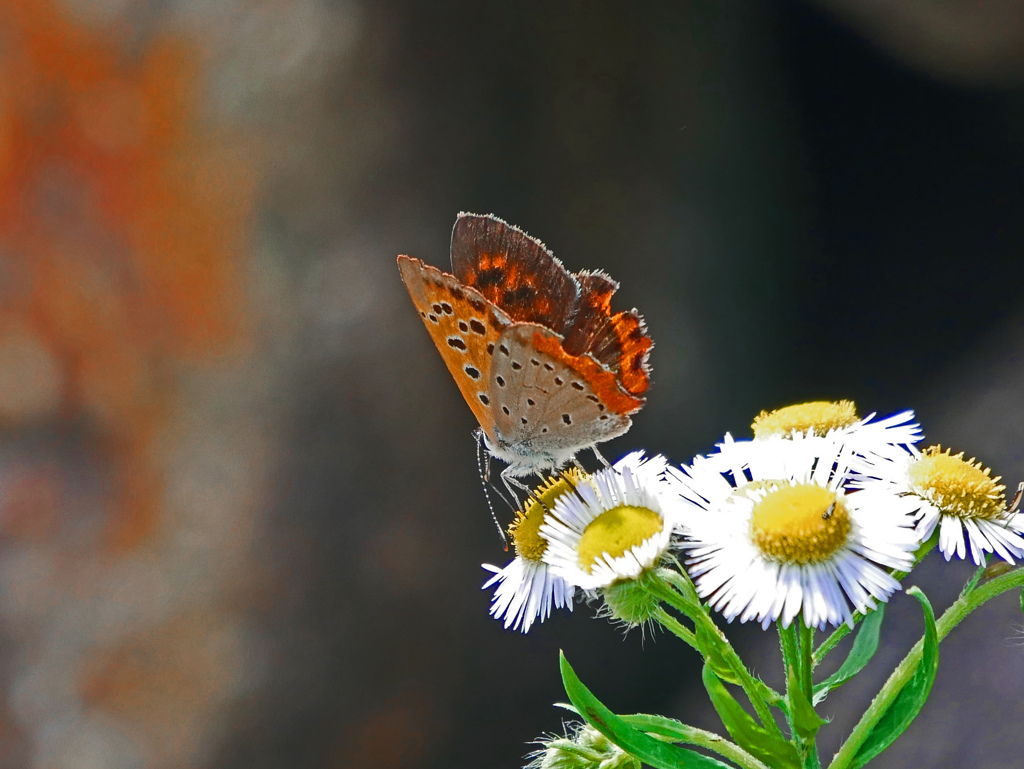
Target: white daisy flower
[[616, 526], [526, 589], [771, 533], [838, 421], [958, 495]]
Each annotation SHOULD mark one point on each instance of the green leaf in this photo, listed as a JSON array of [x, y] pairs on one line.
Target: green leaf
[[911, 699], [864, 647], [806, 722], [652, 751], [745, 731], [660, 725]]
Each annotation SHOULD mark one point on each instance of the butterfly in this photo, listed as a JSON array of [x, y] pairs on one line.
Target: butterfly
[[546, 367]]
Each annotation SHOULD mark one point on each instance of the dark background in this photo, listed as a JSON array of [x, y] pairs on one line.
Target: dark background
[[805, 201]]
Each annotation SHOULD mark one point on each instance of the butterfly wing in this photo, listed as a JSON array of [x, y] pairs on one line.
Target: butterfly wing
[[465, 328], [521, 276], [549, 404], [514, 271], [618, 340]]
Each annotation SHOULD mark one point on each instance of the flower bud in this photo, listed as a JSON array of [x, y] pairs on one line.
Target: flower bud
[[586, 748]]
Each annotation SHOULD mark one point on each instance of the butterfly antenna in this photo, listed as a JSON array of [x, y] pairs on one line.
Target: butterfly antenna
[[483, 466]]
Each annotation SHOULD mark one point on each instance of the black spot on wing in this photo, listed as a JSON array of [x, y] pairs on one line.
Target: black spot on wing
[[493, 276], [521, 296]]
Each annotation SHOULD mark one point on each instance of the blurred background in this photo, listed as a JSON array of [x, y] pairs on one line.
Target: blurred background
[[240, 522]]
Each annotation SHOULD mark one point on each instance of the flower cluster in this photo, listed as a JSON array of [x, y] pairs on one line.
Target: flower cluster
[[818, 515]]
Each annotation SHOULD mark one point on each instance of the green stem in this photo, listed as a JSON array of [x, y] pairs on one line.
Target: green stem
[[724, 748], [698, 614], [833, 640], [952, 617], [974, 580], [790, 661], [806, 664], [682, 584], [796, 644], [809, 745], [676, 627], [790, 652]]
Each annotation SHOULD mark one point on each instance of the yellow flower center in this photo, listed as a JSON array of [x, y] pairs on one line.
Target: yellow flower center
[[800, 524], [957, 486], [525, 528], [820, 416], [614, 532]]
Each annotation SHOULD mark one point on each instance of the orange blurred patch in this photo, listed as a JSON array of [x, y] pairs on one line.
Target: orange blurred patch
[[124, 217], [170, 679]]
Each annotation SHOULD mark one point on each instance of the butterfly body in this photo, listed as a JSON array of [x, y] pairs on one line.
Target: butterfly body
[[544, 365]]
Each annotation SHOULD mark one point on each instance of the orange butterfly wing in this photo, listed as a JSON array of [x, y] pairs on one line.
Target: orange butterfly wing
[[520, 275], [465, 328]]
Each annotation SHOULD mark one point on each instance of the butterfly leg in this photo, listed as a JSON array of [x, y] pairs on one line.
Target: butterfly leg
[[600, 457], [511, 482], [1016, 499]]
